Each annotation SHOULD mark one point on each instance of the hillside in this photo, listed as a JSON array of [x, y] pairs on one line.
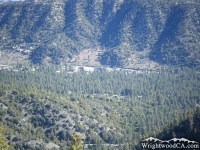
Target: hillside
[[117, 33], [187, 126], [43, 107], [183, 130], [114, 72]]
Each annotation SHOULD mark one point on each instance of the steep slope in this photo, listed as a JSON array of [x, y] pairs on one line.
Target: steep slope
[[117, 107], [130, 32], [187, 126], [182, 132]]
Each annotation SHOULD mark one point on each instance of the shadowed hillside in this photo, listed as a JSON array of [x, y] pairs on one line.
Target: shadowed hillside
[[159, 31]]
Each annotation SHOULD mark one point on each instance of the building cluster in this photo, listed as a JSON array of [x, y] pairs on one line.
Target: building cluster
[[78, 68]]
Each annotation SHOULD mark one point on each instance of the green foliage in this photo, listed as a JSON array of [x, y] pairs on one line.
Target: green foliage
[[3, 141], [187, 126], [107, 107], [112, 59], [76, 142]]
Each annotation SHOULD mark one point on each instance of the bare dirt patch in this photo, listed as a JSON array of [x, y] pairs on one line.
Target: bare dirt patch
[[11, 58], [89, 57], [136, 62]]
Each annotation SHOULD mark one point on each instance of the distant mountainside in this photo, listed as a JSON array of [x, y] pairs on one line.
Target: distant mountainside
[[119, 33]]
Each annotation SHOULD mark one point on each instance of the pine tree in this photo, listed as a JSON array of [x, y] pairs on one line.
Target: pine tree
[[197, 122], [173, 134], [3, 143], [76, 142]]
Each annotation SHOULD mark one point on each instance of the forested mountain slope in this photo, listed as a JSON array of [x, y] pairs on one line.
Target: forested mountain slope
[[42, 103], [188, 126], [122, 32], [182, 132], [104, 107]]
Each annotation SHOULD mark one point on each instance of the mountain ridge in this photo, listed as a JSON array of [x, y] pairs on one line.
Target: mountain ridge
[[128, 33]]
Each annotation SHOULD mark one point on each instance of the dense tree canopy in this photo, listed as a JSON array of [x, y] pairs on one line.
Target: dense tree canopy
[[3, 141]]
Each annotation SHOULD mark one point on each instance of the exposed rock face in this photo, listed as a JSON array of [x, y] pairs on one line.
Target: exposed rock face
[[167, 32]]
